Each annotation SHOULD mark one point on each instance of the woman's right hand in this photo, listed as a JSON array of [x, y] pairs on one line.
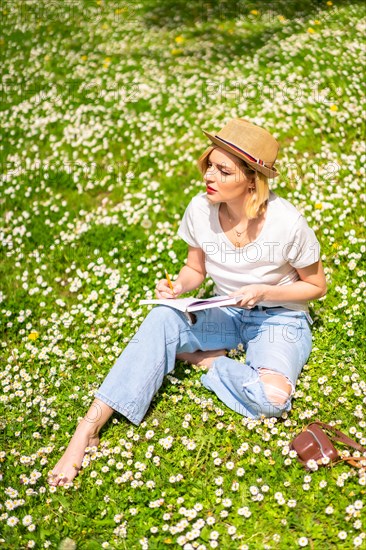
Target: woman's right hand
[[163, 290]]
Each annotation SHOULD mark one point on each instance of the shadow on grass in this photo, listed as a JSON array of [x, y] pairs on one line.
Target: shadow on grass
[[211, 23], [173, 13]]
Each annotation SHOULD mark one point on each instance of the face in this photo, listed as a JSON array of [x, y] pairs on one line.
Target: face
[[225, 179]]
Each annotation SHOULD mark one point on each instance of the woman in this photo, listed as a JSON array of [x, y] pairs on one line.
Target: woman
[[250, 242]]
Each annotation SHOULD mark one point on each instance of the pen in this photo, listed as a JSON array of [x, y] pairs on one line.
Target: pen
[[169, 282]]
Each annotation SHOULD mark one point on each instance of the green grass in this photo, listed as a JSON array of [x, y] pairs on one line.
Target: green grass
[[91, 95]]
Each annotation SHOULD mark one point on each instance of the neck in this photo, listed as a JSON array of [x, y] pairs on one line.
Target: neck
[[236, 211]]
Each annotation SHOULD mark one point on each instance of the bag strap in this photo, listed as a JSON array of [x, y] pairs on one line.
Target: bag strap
[[340, 436], [351, 460]]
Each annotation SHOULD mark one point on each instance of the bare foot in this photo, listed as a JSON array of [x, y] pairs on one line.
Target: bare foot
[[202, 358], [70, 463]]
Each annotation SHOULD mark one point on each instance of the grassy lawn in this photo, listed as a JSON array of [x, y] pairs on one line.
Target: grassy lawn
[[102, 108]]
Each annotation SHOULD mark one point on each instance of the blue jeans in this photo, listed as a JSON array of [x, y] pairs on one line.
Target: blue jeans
[[277, 339]]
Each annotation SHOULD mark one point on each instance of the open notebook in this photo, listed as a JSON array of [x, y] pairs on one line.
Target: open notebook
[[192, 304]]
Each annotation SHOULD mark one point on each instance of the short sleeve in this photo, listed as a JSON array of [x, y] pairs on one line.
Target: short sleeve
[[304, 248], [186, 229]]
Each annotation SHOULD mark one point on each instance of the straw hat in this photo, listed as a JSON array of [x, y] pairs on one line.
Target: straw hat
[[257, 147]]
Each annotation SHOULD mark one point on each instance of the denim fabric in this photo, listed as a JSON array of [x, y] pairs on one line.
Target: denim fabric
[[278, 339]]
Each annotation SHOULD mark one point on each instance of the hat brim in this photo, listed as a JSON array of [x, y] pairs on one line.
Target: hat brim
[[269, 172]]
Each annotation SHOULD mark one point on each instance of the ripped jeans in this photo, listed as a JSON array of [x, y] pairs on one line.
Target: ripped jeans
[[277, 342]]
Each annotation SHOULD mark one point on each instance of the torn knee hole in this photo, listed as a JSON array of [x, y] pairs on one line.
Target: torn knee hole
[[276, 386]]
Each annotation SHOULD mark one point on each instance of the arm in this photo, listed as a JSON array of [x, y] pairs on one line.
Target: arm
[[191, 276], [311, 286]]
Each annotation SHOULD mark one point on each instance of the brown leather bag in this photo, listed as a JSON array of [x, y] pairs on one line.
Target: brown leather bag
[[313, 443]]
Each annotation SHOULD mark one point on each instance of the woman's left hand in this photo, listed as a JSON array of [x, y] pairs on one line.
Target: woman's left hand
[[253, 294]]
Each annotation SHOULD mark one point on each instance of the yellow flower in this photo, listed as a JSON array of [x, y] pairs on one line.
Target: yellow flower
[[33, 335], [120, 10], [179, 39], [176, 51], [84, 57], [318, 205], [254, 12], [333, 108], [46, 57], [104, 26], [311, 30], [281, 18], [329, 3], [316, 22], [106, 62]]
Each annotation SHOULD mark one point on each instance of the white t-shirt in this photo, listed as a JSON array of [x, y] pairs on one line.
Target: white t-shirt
[[285, 243]]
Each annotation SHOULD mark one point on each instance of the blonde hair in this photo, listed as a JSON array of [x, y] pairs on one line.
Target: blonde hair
[[258, 199]]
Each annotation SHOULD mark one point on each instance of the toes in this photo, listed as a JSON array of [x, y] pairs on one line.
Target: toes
[[56, 479], [53, 481]]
